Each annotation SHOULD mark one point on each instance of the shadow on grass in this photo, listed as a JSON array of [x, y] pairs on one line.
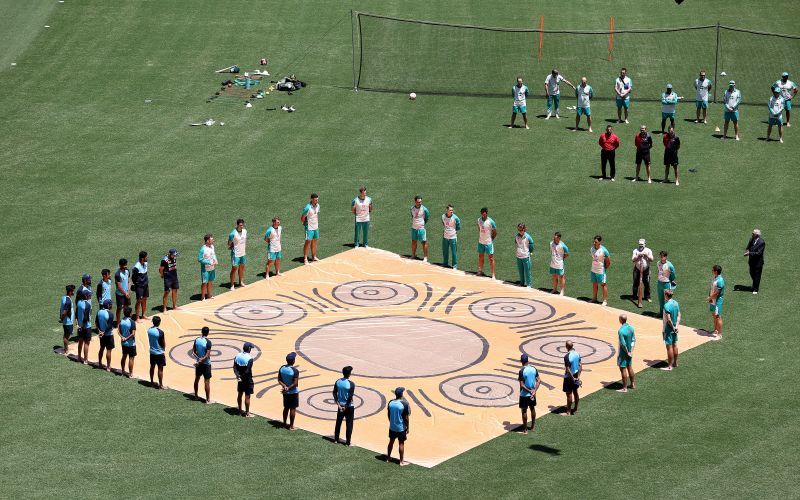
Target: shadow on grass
[[742, 288], [585, 299], [543, 448], [655, 363]]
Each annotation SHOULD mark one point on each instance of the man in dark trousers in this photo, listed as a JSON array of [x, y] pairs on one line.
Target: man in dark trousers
[[609, 142], [343, 391], [755, 257]]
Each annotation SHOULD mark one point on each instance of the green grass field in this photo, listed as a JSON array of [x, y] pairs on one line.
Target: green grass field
[[90, 173]]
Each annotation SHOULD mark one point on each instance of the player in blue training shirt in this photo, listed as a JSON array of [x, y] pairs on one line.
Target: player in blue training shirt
[[419, 217], [83, 315], [289, 378], [201, 349], [572, 378], [66, 315], [528, 385], [127, 334], [105, 289], [715, 300], [105, 331], [399, 413], [627, 340], [86, 286], [141, 285], [122, 282], [155, 337], [243, 369], [343, 391]]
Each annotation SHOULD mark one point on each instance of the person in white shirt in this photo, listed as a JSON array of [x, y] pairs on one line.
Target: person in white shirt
[[702, 86], [487, 232], [310, 220], [669, 105], [237, 242], [419, 217], [584, 93], [641, 258], [552, 90], [361, 208], [524, 246], [207, 257], [558, 252], [520, 94], [788, 91], [623, 87], [452, 225], [731, 100], [776, 106], [601, 261], [274, 249]]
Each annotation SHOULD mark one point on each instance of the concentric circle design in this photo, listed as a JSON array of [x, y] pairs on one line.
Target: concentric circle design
[[393, 346], [374, 293], [481, 390], [551, 349], [318, 402], [260, 313], [511, 310], [222, 353]]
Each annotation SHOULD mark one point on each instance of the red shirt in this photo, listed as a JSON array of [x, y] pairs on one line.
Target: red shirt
[[609, 143]]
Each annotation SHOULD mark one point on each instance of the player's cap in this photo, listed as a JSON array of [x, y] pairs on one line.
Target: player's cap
[[731, 82], [669, 85], [291, 357], [107, 303], [642, 241], [785, 73], [775, 90], [523, 358], [173, 251], [757, 232], [247, 346], [399, 392], [86, 277]]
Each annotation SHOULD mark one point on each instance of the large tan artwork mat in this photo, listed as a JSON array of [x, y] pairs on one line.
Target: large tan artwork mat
[[453, 340]]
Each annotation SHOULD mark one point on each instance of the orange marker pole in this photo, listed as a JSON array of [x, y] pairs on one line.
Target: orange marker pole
[[610, 38], [541, 36]]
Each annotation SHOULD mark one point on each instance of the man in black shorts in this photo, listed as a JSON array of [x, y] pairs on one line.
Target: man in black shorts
[[243, 369], [289, 379], [644, 143], [202, 352], [105, 330], [169, 272], [122, 290], [141, 285], [83, 315], [572, 380], [127, 334], [672, 143], [528, 385], [158, 346], [66, 315]]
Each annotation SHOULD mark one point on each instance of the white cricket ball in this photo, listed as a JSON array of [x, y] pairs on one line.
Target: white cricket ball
[[412, 96]]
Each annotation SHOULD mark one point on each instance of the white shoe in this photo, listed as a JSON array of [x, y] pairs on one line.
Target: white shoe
[[780, 140], [424, 259], [494, 278], [705, 121], [557, 117], [315, 259], [561, 293], [634, 179], [455, 268], [677, 183], [527, 127], [716, 337], [305, 261], [697, 121], [788, 124], [626, 120], [590, 129], [755, 292], [604, 303], [649, 181], [233, 288], [613, 179], [511, 126], [737, 137], [547, 117]]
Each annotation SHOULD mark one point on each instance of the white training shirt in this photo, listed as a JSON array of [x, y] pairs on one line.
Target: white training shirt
[[557, 254], [362, 208], [449, 224], [584, 96], [599, 259], [646, 257], [239, 242], [524, 244], [663, 272], [732, 99], [520, 95], [312, 217], [552, 84], [702, 89], [776, 105], [786, 88], [623, 84], [274, 236], [485, 230], [210, 254], [418, 217]]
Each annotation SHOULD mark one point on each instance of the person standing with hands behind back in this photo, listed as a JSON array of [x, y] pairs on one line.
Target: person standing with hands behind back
[[520, 94], [609, 142], [343, 392], [672, 143], [644, 143], [755, 257]]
